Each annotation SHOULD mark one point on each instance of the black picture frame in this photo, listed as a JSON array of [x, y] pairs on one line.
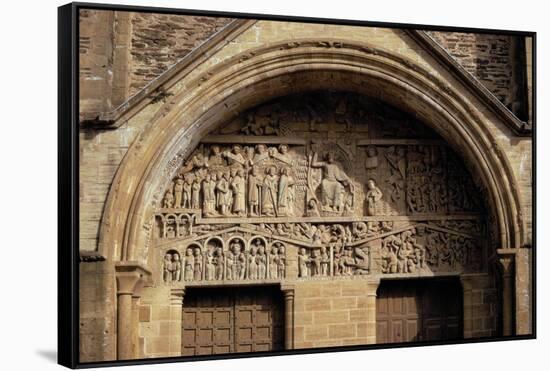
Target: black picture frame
[[68, 179]]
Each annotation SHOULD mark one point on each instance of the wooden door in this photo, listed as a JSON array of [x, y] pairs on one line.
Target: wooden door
[[417, 310], [231, 320]]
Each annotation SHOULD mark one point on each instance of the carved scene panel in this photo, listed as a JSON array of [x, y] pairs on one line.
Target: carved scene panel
[[320, 185]]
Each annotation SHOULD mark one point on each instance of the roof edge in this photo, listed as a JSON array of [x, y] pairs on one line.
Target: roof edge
[[519, 127], [156, 89]]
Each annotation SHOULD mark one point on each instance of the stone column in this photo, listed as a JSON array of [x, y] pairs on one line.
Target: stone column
[[135, 322], [467, 304], [506, 259], [176, 311], [372, 288], [288, 292], [130, 277]]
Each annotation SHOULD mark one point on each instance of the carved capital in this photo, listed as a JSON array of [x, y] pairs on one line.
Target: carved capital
[[466, 283], [288, 291], [130, 278], [372, 287], [506, 260], [177, 296]]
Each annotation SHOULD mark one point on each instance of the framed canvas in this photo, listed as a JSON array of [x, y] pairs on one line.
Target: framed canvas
[[235, 185]]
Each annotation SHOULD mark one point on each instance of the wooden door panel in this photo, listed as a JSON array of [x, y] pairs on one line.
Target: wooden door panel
[[382, 329], [217, 321], [397, 334], [412, 330], [416, 310]]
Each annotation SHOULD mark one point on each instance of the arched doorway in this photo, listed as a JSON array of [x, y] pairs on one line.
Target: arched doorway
[[156, 159]]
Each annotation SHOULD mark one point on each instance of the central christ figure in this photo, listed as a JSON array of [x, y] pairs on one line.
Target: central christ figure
[[334, 181]]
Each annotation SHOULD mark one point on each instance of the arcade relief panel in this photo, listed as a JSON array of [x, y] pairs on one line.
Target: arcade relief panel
[[323, 185]]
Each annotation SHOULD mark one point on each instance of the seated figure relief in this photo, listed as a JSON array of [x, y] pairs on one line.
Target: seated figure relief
[[334, 183]]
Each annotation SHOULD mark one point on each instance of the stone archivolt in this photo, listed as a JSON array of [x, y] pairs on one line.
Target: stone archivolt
[[320, 185]]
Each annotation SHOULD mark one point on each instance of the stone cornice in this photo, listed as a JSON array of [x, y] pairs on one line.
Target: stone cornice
[[91, 257]]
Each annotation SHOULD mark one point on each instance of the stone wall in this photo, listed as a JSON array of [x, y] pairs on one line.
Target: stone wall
[[159, 332], [489, 57], [95, 48], [121, 52], [332, 314], [97, 320], [160, 40]]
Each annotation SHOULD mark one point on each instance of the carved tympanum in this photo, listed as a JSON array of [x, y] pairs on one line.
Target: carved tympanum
[[319, 185]]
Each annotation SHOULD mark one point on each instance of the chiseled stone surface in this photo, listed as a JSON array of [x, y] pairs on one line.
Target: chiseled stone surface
[[486, 56], [329, 310]]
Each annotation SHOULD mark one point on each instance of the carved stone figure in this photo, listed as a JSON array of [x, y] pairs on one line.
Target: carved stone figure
[[198, 265], [286, 193], [261, 154], [269, 193], [261, 125], [281, 261], [282, 154], [238, 267], [235, 157], [397, 164], [333, 183], [195, 194], [336, 264], [254, 189], [303, 262], [219, 263], [372, 158], [390, 247], [273, 261], [168, 201], [229, 265], [325, 261], [167, 268], [316, 263], [216, 159], [238, 187], [178, 192], [197, 161], [361, 260], [222, 194], [262, 260], [187, 189], [252, 264], [373, 195], [176, 267], [209, 195], [210, 267], [189, 265]]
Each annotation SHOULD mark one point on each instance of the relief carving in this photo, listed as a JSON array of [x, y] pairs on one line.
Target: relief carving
[[334, 184], [171, 267], [319, 186]]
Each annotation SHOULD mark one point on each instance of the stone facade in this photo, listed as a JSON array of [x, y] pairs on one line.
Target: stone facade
[[132, 169]]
